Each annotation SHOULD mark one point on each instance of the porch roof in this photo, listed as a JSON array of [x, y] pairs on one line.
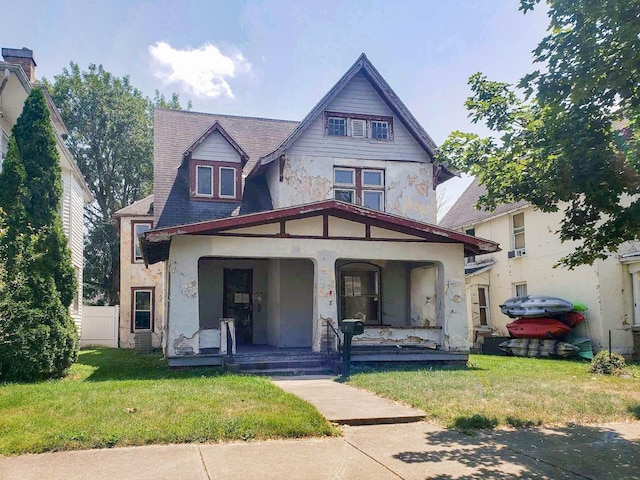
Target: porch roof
[[156, 242]]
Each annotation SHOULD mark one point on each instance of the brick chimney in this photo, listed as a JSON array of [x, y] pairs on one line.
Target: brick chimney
[[23, 57]]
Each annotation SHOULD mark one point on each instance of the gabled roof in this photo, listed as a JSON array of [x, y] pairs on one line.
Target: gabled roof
[[216, 127], [386, 93], [174, 132], [156, 241], [464, 213], [137, 209]]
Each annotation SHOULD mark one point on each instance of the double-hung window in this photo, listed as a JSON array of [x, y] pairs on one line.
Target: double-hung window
[[373, 189], [227, 182], [362, 186], [518, 230], [204, 181], [137, 230], [344, 180], [215, 180], [142, 311]]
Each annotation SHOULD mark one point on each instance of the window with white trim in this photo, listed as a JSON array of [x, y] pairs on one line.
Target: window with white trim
[[483, 305], [517, 230], [227, 182], [344, 180], [520, 289], [137, 230], [204, 181], [379, 130], [362, 186], [142, 309], [373, 189], [356, 125], [337, 126]]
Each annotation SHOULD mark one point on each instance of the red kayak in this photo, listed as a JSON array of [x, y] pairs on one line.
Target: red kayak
[[571, 319], [537, 328]]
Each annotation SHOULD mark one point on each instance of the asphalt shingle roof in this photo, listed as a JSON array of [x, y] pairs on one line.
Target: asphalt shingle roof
[[175, 131], [139, 208], [464, 212]]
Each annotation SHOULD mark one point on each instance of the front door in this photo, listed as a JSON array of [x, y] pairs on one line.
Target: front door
[[237, 302]]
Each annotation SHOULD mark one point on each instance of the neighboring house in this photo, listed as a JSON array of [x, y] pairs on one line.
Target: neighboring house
[[288, 228], [17, 78], [141, 289], [530, 249]]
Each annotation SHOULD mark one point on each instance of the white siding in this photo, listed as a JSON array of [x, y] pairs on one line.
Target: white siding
[[72, 213], [216, 148], [359, 97]]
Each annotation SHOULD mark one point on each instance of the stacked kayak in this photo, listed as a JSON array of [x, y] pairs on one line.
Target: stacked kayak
[[541, 327]]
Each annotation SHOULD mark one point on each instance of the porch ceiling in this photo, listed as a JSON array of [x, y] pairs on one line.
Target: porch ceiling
[[156, 242]]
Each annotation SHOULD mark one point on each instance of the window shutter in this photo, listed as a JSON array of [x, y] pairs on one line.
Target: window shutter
[[358, 128]]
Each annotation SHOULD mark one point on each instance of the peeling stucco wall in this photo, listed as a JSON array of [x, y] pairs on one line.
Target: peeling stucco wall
[[185, 251], [431, 337], [424, 297], [307, 178], [137, 275]]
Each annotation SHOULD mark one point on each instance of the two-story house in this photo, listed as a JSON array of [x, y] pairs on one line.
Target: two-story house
[[531, 248], [286, 228], [17, 78]]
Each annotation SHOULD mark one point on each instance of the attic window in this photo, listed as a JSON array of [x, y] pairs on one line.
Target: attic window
[[337, 126], [379, 130], [355, 125]]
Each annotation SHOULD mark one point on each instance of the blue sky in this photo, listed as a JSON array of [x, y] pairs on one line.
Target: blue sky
[[277, 58]]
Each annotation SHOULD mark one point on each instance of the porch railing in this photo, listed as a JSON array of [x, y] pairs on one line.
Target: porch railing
[[331, 330]]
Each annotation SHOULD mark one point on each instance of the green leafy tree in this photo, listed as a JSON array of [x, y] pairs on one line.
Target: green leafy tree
[[110, 125], [37, 281], [568, 135]]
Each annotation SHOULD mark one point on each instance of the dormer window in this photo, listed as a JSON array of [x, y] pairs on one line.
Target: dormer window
[[215, 166], [355, 125], [204, 181], [227, 186], [215, 180]]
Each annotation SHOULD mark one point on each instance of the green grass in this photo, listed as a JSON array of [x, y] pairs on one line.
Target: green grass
[[120, 398], [519, 392]]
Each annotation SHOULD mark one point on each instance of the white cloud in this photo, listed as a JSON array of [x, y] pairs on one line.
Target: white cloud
[[203, 71]]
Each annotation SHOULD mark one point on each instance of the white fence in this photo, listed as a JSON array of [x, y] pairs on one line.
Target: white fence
[[100, 326]]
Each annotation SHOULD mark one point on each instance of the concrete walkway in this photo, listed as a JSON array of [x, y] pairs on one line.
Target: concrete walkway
[[407, 451], [347, 405], [382, 446]]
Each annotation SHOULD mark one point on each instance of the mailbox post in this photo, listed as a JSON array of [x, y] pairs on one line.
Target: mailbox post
[[349, 328]]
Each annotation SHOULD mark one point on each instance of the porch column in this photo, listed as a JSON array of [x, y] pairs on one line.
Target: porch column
[[325, 306]]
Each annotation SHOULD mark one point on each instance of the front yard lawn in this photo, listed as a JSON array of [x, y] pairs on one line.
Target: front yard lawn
[[511, 391], [119, 398]]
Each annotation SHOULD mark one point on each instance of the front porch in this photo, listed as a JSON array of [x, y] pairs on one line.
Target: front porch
[[288, 278]]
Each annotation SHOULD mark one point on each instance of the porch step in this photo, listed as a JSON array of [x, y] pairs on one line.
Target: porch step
[[195, 361], [280, 363], [289, 372]]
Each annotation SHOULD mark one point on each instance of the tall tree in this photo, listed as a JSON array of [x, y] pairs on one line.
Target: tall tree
[[110, 138], [110, 125], [568, 135], [37, 281]]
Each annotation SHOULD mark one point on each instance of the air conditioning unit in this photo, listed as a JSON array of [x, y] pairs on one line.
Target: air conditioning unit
[[518, 252]]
